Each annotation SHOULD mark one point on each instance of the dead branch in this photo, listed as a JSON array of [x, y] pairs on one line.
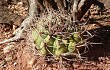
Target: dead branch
[[40, 4], [50, 5], [83, 7], [18, 33], [75, 10], [61, 5]]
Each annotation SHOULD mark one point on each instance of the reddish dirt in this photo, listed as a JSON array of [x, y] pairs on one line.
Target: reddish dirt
[[24, 56]]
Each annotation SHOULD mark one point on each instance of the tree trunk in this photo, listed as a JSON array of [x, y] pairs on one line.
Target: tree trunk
[[78, 7]]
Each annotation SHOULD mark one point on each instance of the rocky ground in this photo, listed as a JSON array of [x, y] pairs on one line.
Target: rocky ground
[[22, 55]]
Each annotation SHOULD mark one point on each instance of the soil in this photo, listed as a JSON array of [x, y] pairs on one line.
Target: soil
[[22, 55]]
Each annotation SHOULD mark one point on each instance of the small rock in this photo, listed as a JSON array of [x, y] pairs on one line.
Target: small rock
[[8, 48], [8, 58], [15, 64], [31, 62]]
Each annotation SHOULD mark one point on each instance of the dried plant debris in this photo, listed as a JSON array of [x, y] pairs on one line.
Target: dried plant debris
[[18, 9]]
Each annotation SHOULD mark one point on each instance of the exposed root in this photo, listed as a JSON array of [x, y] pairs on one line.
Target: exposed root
[[19, 32]]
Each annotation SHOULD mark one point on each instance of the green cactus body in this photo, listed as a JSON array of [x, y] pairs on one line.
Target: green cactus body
[[37, 38], [65, 42], [60, 47], [46, 46], [71, 46], [76, 37], [73, 40], [34, 35], [49, 40], [43, 49]]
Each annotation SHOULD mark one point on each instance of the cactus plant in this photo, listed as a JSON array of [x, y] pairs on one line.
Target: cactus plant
[[50, 39]]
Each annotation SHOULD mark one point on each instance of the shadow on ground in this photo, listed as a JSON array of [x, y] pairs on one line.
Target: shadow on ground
[[101, 35]]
